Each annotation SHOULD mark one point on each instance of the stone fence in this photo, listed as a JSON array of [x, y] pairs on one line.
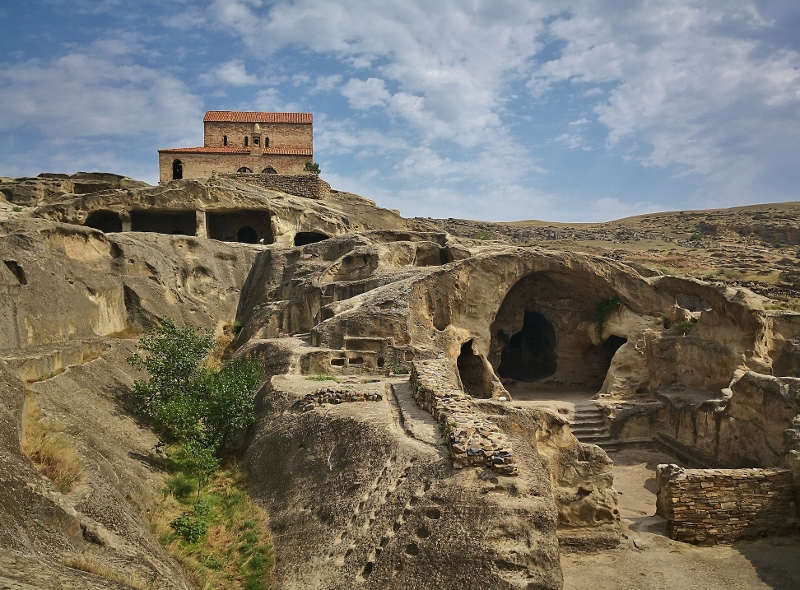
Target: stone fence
[[472, 438], [309, 186], [709, 506]]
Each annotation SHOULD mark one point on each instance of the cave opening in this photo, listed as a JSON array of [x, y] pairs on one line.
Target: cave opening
[[530, 353], [247, 235], [165, 222], [471, 371], [105, 221], [302, 238], [609, 348], [246, 226]]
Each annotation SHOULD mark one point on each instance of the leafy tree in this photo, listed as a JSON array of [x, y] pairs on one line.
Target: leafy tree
[[313, 167], [187, 401]]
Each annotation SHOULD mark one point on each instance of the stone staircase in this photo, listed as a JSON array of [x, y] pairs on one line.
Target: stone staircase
[[589, 424]]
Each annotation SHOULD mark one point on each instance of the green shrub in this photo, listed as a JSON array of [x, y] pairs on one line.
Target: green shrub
[[191, 529], [186, 400], [312, 167], [685, 326], [483, 235]]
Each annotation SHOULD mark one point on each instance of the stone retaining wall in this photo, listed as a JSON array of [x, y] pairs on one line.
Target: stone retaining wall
[[301, 185], [710, 506], [472, 439]]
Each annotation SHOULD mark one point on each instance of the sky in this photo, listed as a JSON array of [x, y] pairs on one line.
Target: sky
[[584, 110]]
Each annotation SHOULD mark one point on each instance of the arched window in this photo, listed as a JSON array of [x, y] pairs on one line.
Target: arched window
[[244, 170], [177, 170], [224, 140], [269, 170], [266, 141], [246, 141], [255, 141]]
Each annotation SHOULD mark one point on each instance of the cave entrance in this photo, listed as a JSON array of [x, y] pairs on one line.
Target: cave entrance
[[609, 348], [245, 225], [165, 222], [247, 235], [530, 353], [471, 371], [302, 238], [105, 221]]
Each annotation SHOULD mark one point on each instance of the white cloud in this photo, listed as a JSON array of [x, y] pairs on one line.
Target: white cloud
[[85, 94], [365, 94], [232, 73]]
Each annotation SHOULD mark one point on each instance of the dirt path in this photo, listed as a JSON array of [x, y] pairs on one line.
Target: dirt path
[[648, 560]]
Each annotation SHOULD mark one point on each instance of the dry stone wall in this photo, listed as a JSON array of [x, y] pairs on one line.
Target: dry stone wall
[[472, 439], [710, 506], [301, 185]]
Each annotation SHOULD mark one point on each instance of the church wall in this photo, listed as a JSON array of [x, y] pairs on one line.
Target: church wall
[[202, 165], [284, 135]]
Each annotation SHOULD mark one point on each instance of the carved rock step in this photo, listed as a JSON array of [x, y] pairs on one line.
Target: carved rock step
[[589, 424]]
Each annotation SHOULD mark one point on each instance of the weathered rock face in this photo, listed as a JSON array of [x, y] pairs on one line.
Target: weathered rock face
[[64, 282], [437, 480], [47, 188]]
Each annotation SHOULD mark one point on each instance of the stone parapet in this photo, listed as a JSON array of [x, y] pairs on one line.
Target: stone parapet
[[710, 506], [301, 185], [472, 439]]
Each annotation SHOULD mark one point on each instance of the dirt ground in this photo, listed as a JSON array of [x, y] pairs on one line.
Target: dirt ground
[[648, 560]]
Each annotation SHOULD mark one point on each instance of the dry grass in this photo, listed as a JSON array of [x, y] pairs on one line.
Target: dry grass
[[236, 552], [221, 343], [90, 564], [48, 448], [126, 333]]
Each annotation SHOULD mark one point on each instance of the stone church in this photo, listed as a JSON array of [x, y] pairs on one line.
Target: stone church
[[243, 142]]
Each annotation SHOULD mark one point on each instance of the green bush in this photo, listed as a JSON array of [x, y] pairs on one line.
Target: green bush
[[483, 235], [186, 400], [312, 167], [191, 529]]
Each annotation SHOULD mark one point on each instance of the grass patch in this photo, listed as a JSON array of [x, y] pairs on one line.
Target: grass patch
[[89, 564], [221, 538], [45, 444], [322, 377]]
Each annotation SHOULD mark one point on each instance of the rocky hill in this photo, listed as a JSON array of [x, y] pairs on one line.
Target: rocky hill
[[398, 441]]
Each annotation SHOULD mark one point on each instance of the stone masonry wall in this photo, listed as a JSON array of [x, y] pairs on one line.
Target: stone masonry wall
[[201, 166], [302, 185], [283, 135], [472, 439], [710, 506]]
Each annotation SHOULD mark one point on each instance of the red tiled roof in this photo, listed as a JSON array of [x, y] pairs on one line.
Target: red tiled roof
[[270, 151], [251, 117]]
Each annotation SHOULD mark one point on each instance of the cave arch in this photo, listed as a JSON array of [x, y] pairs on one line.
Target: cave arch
[[105, 221], [543, 334]]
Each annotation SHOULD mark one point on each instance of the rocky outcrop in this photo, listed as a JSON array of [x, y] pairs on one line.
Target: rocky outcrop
[[48, 188]]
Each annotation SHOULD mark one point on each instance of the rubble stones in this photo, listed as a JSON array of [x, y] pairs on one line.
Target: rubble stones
[[472, 439]]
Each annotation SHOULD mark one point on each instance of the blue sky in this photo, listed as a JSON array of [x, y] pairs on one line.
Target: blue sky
[[583, 110]]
